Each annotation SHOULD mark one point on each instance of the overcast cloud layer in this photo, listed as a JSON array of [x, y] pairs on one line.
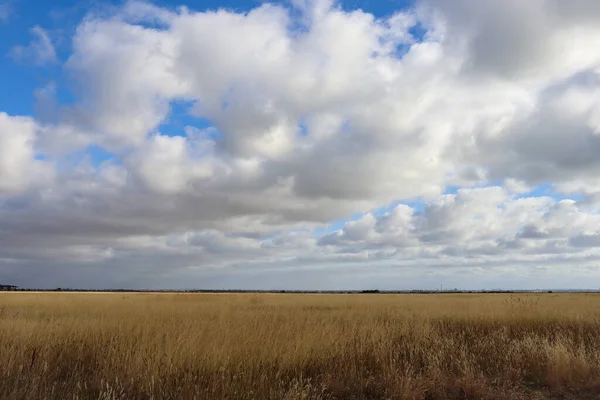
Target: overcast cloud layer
[[427, 133]]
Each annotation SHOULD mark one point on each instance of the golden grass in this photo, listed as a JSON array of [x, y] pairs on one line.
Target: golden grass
[[284, 346]]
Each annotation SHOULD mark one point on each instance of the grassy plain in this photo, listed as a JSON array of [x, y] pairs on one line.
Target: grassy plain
[[284, 346]]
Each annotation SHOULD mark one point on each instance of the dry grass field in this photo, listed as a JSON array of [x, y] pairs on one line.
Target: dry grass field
[[283, 346]]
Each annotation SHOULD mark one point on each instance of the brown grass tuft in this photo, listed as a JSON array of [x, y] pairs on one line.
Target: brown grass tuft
[[313, 347]]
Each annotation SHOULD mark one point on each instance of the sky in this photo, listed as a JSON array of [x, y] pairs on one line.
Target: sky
[[300, 144]]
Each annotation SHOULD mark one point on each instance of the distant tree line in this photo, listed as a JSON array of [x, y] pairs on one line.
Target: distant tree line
[[367, 291]]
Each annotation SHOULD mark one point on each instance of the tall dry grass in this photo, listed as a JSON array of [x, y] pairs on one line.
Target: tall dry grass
[[250, 346]]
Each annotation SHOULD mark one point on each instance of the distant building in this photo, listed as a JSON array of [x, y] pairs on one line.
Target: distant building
[[7, 288]]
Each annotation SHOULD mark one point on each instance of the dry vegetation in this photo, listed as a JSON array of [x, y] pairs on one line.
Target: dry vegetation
[[249, 346]]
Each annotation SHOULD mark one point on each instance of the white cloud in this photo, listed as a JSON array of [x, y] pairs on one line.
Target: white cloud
[[166, 164], [484, 230], [18, 166], [125, 77], [316, 117], [532, 42], [40, 51]]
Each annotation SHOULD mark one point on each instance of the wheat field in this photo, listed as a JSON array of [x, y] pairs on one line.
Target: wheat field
[[288, 346]]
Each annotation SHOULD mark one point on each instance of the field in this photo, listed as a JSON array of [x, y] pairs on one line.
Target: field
[[284, 346]]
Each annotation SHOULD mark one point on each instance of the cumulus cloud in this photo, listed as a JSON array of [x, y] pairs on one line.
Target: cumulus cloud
[[426, 148], [533, 42], [19, 167], [165, 164], [486, 229]]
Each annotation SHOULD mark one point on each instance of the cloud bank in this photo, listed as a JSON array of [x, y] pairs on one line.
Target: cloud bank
[[312, 146]]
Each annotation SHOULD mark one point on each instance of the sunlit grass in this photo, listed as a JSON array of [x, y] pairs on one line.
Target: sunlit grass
[[284, 346]]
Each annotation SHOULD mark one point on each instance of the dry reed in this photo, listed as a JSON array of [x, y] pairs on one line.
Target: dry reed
[[283, 346]]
